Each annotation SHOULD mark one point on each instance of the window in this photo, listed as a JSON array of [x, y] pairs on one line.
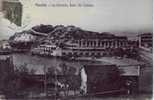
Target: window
[[87, 43], [75, 54], [63, 53], [102, 43], [98, 54], [93, 54], [81, 54], [87, 54], [70, 54], [94, 43], [99, 43]]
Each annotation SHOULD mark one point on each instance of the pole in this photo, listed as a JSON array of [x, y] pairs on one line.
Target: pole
[[56, 83], [45, 81]]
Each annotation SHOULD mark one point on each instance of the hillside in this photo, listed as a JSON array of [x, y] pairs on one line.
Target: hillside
[[56, 34]]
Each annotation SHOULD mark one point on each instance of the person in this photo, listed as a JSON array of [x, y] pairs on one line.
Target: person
[[83, 81], [128, 86]]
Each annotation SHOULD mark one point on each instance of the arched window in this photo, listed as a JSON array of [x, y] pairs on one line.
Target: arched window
[[93, 54], [102, 43], [86, 54], [87, 43], [84, 43], [91, 43], [94, 43], [99, 43], [81, 54], [121, 43], [98, 54]]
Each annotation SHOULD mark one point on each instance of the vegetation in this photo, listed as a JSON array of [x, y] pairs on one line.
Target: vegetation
[[23, 81]]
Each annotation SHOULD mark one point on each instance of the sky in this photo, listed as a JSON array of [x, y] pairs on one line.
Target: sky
[[118, 16]]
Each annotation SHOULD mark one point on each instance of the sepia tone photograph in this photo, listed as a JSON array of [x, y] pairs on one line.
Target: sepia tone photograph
[[76, 50]]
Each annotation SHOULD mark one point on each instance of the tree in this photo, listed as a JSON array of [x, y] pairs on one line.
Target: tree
[[19, 80], [71, 81]]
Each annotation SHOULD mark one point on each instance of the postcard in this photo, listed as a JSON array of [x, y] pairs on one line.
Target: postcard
[[76, 49]]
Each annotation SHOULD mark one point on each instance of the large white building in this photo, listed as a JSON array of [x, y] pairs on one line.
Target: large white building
[[100, 45], [95, 46]]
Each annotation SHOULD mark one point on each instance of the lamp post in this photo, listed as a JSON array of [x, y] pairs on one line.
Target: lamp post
[[56, 83], [45, 81]]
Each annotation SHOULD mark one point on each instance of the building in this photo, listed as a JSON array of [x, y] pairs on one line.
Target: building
[[46, 50], [109, 79], [145, 40], [91, 46], [97, 46], [21, 42]]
